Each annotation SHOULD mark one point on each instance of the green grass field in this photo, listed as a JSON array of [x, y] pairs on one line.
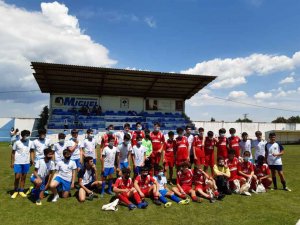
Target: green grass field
[[274, 207]]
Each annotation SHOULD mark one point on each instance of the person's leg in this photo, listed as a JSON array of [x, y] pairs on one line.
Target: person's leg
[[178, 193], [162, 194], [267, 182], [53, 185], [22, 182], [110, 181], [282, 179], [171, 173], [81, 195], [124, 198], [65, 194], [202, 193], [17, 181], [192, 193], [273, 172]]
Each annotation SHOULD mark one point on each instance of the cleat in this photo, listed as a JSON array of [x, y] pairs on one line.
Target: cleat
[[184, 202], [90, 196], [220, 197], [55, 198], [38, 202], [287, 189], [247, 193], [22, 194], [111, 193], [274, 188], [29, 190], [212, 200], [131, 206], [168, 204], [156, 202], [14, 195]]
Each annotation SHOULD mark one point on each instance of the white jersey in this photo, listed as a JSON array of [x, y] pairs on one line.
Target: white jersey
[[39, 146], [89, 147], [22, 151], [44, 168], [65, 169], [86, 175], [245, 146], [190, 141], [110, 156], [139, 155], [259, 147], [124, 151], [58, 150], [161, 182], [76, 152], [120, 136], [271, 149]]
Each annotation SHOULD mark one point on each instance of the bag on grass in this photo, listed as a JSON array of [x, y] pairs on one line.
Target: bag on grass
[[111, 206], [260, 188]]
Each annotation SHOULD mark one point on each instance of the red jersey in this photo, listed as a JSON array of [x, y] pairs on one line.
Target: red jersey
[[233, 167], [185, 179], [135, 134], [233, 143], [199, 178], [198, 144], [245, 167], [157, 140], [104, 140], [181, 148], [123, 184], [209, 145], [169, 149], [261, 171], [145, 183], [222, 147]]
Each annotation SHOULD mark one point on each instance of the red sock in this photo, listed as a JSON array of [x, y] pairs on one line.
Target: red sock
[[124, 199], [183, 196], [194, 198], [216, 193], [137, 197]]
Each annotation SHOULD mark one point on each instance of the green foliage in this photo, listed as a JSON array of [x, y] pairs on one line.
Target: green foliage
[[245, 120], [43, 118], [212, 119], [292, 119]]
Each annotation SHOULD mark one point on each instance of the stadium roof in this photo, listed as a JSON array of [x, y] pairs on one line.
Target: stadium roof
[[72, 79]]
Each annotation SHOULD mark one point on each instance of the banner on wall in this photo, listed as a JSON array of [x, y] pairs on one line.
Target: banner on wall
[[124, 103], [62, 101]]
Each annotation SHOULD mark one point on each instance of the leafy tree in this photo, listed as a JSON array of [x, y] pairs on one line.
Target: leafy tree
[[212, 120], [294, 119], [280, 119], [245, 120], [43, 118]]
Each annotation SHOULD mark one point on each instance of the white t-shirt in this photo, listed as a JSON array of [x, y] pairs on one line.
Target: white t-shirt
[[259, 147], [89, 147], [58, 149], [274, 148], [245, 146], [110, 156], [87, 176], [161, 182], [39, 146], [65, 169], [44, 168], [124, 150], [22, 151], [190, 141], [139, 154], [76, 153], [120, 136]]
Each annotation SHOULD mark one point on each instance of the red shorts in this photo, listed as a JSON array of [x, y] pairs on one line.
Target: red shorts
[[187, 189], [155, 157], [202, 187], [169, 163], [200, 161], [267, 183], [178, 162], [210, 160], [146, 191]]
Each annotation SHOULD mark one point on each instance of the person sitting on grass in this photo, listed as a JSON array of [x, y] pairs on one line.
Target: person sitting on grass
[[185, 183], [42, 175], [87, 180], [66, 170], [124, 190], [222, 175], [164, 191], [262, 172]]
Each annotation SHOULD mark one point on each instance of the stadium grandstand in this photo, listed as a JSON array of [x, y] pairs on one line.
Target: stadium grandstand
[[85, 97]]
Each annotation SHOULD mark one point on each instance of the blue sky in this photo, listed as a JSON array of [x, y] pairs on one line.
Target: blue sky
[[251, 45]]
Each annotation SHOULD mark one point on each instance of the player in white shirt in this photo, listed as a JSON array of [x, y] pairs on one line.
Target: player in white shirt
[[164, 191], [65, 177], [259, 145], [41, 144], [88, 146], [74, 146], [21, 159], [138, 156], [120, 134], [108, 165], [274, 151], [190, 137], [59, 147], [245, 145], [42, 175], [124, 152]]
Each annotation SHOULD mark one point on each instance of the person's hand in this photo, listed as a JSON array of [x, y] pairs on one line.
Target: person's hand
[[143, 164], [274, 154], [12, 165], [188, 159], [72, 185], [142, 195], [195, 157], [89, 192], [31, 162]]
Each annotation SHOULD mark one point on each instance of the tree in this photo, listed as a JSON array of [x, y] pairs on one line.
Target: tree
[[212, 119], [280, 119], [293, 119], [245, 120], [43, 118]]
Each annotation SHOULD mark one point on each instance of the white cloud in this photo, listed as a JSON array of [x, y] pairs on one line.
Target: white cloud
[[287, 80], [233, 71], [150, 22], [51, 35], [237, 94], [263, 95]]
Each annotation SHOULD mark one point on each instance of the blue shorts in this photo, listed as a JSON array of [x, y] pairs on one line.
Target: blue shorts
[[108, 171], [78, 164], [137, 170], [95, 161], [275, 167], [65, 185], [21, 168], [43, 185], [124, 165], [163, 192]]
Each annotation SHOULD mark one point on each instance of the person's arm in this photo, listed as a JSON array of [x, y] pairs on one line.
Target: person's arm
[[180, 188], [133, 159], [31, 157], [73, 178], [102, 163], [162, 141], [128, 158], [72, 148], [51, 174], [12, 158], [227, 172], [244, 174], [194, 152], [281, 151], [88, 191], [35, 173], [137, 187], [144, 159], [81, 155]]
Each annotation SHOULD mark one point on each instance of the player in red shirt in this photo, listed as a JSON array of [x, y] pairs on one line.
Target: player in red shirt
[[138, 132], [222, 149], [262, 172], [205, 185], [185, 183], [198, 148], [158, 140], [182, 153], [233, 142], [168, 155], [104, 138], [246, 171], [209, 145], [232, 162], [124, 190], [147, 186]]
